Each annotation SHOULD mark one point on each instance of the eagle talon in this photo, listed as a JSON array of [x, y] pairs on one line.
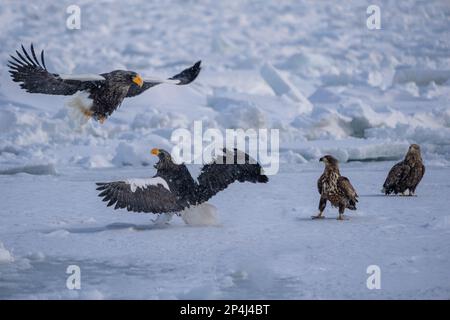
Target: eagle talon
[[87, 113], [319, 216]]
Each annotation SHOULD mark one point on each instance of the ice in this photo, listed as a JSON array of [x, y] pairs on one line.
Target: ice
[[204, 214], [282, 86], [44, 169], [421, 76], [5, 255], [310, 69]]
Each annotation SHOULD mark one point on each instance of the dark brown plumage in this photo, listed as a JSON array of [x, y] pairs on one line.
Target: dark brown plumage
[[406, 174], [335, 188]]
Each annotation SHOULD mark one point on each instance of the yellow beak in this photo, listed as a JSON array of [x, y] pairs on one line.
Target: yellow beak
[[138, 80], [155, 151]]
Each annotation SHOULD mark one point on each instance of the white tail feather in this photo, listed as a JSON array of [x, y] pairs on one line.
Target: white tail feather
[[79, 106]]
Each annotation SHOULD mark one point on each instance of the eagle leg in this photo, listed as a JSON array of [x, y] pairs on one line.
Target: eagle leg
[[341, 213], [322, 205], [101, 119], [87, 113]]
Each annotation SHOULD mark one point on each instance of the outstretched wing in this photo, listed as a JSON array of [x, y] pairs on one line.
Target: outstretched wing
[[33, 76], [346, 187], [396, 176], [140, 195], [184, 77], [219, 174]]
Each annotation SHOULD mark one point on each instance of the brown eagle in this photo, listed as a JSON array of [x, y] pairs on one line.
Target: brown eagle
[[99, 95], [172, 188], [335, 188], [406, 174]]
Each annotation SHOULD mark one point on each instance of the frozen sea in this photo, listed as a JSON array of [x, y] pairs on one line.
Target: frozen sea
[[311, 69]]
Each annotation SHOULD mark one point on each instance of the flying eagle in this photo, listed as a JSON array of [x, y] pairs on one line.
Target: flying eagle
[[104, 92], [405, 174], [335, 188], [173, 189]]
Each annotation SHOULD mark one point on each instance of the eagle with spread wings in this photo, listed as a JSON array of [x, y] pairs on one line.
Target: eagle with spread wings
[[104, 92], [335, 188], [173, 189], [407, 174]]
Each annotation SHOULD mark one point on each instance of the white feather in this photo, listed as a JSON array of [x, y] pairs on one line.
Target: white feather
[[142, 183], [82, 77], [156, 80]]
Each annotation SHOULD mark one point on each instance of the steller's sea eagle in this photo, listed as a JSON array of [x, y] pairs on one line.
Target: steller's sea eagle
[[335, 188], [173, 189], [406, 174], [104, 92]]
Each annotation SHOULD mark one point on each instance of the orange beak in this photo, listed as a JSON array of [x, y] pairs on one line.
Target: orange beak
[[155, 151], [138, 80]]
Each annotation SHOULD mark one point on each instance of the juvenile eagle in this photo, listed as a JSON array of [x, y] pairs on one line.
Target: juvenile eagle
[[173, 189], [335, 188], [104, 92], [405, 174]]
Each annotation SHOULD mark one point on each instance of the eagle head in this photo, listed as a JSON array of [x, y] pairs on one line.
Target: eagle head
[[414, 148], [413, 153], [126, 78], [329, 160], [165, 159]]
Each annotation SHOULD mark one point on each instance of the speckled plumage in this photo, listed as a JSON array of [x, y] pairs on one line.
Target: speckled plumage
[[335, 188]]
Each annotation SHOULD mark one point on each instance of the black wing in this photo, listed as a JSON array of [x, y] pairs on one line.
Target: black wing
[[33, 76], [216, 176], [149, 198], [184, 77]]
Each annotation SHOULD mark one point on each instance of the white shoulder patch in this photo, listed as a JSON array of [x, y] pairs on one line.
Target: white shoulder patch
[[142, 183], [82, 77], [156, 80]]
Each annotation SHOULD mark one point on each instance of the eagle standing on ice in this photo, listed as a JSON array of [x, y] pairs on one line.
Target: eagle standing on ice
[[335, 188], [104, 92], [406, 174], [173, 189]]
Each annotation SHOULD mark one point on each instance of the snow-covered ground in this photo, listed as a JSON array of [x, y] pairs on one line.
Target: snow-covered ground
[[311, 69]]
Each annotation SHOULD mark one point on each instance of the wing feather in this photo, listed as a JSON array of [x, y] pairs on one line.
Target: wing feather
[[218, 175], [346, 187], [151, 197], [184, 77], [33, 76]]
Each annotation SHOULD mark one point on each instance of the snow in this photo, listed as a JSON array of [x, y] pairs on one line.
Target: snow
[[5, 255], [312, 70], [204, 214]]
